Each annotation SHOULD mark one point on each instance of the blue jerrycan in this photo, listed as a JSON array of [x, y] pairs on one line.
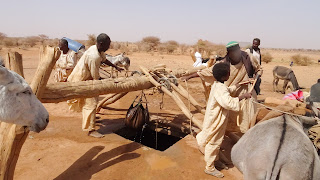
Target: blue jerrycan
[[74, 45]]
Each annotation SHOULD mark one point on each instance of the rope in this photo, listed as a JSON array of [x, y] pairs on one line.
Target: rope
[[186, 83], [274, 109]]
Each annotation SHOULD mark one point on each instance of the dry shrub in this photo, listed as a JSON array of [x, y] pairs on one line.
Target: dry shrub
[[266, 57], [91, 40], [171, 46], [31, 41], [52, 42], [301, 60], [208, 48], [43, 38], [8, 42], [150, 43]]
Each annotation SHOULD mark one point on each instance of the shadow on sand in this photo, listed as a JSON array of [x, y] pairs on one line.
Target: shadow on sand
[[87, 165]]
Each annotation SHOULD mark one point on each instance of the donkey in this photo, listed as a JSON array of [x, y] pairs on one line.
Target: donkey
[[286, 74], [119, 60], [278, 149], [18, 104]]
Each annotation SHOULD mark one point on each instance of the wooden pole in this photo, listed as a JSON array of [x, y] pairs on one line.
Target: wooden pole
[[110, 100], [14, 62], [48, 58], [62, 91], [12, 136], [176, 98]]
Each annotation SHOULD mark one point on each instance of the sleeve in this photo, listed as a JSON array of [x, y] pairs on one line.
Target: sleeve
[[232, 89], [93, 66], [223, 97]]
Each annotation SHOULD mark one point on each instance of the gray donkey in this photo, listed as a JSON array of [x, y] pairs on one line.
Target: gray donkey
[[119, 60], [286, 74], [278, 149]]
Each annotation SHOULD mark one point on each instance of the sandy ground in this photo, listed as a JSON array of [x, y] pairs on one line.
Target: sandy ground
[[64, 151]]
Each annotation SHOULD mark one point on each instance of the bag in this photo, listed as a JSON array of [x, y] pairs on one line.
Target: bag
[[137, 115]]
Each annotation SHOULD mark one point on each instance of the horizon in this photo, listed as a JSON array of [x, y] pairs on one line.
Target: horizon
[[285, 25]]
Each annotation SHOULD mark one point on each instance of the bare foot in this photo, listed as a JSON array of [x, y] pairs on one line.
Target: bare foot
[[95, 134], [215, 173]]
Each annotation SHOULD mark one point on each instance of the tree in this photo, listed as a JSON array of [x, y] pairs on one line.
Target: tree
[[151, 41], [43, 38]]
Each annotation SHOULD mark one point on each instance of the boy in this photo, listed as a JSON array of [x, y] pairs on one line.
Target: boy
[[216, 116]]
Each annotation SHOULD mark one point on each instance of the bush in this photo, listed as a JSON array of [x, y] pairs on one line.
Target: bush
[[171, 46], [10, 42], [91, 40], [43, 38], [301, 60], [266, 57], [152, 42], [31, 40]]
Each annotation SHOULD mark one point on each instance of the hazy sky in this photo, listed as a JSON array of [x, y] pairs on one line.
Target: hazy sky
[[278, 23]]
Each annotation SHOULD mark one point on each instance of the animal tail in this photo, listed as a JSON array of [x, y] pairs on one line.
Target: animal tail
[[294, 81]]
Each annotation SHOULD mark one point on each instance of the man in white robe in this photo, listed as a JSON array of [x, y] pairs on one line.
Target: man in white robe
[[88, 69], [66, 62]]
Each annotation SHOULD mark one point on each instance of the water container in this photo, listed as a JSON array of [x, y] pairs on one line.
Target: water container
[[74, 45]]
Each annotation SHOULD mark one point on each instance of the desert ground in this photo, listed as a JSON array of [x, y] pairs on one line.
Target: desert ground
[[64, 151]]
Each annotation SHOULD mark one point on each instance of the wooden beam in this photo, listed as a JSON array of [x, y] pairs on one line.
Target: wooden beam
[[62, 91]]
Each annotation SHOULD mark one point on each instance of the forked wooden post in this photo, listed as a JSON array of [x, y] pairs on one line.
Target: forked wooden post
[[13, 62], [12, 136]]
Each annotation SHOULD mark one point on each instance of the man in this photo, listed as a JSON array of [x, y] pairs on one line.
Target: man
[[242, 69], [255, 52], [199, 60], [65, 63], [88, 69]]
